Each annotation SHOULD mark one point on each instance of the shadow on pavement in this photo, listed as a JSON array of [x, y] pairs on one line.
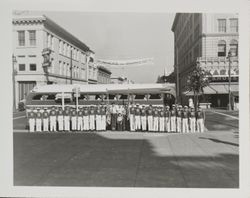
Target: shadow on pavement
[[92, 160]]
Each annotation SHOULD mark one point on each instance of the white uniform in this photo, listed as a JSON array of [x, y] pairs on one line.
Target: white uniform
[[38, 121], [52, 120], [74, 120], [31, 121], [185, 127], [98, 120], [103, 119], [92, 119], [143, 119], [45, 121], [178, 121], [156, 121], [150, 119], [86, 120], [162, 120], [79, 121], [60, 120], [173, 120], [137, 119]]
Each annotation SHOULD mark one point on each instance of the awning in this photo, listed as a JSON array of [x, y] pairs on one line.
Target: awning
[[217, 89]]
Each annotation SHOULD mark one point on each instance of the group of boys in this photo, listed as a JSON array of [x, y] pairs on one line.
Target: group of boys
[[117, 117], [67, 119], [163, 119]]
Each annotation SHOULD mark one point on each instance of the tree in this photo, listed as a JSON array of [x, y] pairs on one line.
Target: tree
[[197, 80]]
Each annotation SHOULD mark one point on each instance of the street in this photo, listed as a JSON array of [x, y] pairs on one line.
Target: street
[[123, 159]]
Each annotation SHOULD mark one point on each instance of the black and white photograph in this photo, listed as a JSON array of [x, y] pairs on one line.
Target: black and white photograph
[[137, 104], [128, 99]]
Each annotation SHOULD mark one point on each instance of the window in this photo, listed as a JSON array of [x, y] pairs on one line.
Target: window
[[60, 67], [233, 25], [65, 49], [222, 48], [21, 38], [32, 37], [222, 25], [60, 46], [234, 48], [52, 43], [21, 67], [32, 67]]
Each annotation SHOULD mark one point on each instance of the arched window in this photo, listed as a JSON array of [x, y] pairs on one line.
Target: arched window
[[234, 47], [222, 48]]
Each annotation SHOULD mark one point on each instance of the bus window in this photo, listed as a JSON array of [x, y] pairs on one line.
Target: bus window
[[124, 97], [91, 97], [38, 97], [98, 97], [140, 96], [111, 97], [51, 97], [155, 96], [83, 97]]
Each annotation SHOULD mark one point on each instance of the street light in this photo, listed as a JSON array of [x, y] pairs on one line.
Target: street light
[[14, 61], [229, 80]]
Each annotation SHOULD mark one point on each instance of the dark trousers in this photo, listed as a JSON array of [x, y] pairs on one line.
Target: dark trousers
[[113, 122]]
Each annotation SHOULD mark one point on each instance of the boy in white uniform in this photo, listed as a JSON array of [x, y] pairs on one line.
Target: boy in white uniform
[[80, 120], [66, 114], [31, 119], [52, 119], [45, 120]]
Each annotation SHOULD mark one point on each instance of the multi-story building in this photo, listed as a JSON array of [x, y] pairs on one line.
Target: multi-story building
[[103, 75], [45, 53], [205, 39]]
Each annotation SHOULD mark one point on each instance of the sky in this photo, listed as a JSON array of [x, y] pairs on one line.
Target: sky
[[124, 36]]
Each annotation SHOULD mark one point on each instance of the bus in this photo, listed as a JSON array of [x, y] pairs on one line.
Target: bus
[[76, 95]]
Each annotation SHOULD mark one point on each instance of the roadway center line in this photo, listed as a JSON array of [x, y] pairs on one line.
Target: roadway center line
[[19, 117], [226, 115]]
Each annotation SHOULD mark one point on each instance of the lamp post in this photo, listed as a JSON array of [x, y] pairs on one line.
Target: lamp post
[[13, 81], [229, 81]]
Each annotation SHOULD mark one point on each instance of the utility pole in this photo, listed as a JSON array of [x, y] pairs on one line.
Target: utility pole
[[229, 81], [71, 67]]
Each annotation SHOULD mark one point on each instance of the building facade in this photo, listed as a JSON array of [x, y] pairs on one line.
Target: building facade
[[45, 53], [103, 75], [206, 39]]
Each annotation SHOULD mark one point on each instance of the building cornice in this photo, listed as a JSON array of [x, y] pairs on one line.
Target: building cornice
[[54, 28]]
